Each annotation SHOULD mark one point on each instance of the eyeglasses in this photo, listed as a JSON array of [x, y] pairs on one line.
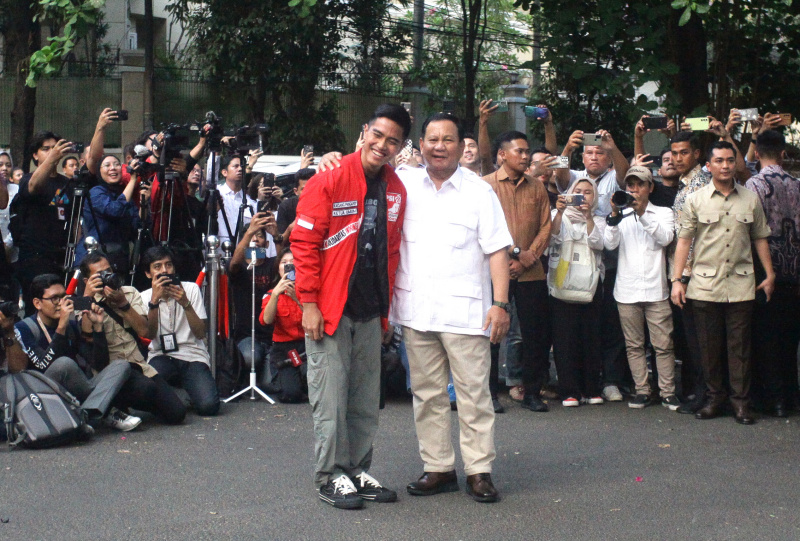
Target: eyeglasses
[[55, 299]]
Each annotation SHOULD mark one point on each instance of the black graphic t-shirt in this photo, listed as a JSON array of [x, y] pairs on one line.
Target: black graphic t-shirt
[[364, 299], [241, 282]]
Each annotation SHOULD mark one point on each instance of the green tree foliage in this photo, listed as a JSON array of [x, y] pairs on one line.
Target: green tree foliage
[[266, 49], [484, 26], [704, 57]]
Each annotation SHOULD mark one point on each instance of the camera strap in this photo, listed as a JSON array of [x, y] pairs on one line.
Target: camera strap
[[118, 319]]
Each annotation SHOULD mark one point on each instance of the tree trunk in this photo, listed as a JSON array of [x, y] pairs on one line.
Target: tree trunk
[[687, 50], [22, 38]]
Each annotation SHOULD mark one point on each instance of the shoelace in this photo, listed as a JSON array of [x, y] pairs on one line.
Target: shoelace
[[368, 480], [343, 485]]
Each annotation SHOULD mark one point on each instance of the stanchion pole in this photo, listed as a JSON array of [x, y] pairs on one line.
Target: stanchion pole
[[212, 274]]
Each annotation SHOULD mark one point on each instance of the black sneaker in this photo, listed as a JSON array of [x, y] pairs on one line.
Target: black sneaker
[[671, 402], [370, 489], [640, 401], [341, 493]]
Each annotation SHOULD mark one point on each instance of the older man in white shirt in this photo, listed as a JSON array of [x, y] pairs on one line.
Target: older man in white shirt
[[451, 297], [641, 288]]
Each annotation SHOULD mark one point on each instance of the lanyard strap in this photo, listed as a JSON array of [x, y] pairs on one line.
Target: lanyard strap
[[44, 329]]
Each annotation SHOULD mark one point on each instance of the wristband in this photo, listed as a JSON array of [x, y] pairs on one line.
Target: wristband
[[125, 308], [278, 238]]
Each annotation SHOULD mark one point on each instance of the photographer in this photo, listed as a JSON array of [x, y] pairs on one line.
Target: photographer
[[576, 298], [69, 352], [287, 211], [124, 322], [281, 309], [110, 215], [232, 195], [241, 283], [177, 327], [43, 206], [641, 288]]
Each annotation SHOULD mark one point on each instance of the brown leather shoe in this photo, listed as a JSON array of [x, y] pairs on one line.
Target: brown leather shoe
[[743, 415], [434, 483], [481, 489], [709, 411]]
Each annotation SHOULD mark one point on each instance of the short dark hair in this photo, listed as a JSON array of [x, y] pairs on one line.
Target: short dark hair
[[156, 253], [39, 138], [68, 158], [304, 174], [42, 282], [508, 136], [129, 150], [90, 259], [541, 150], [683, 136], [470, 135], [770, 144], [720, 145], [664, 152], [437, 117], [144, 137], [277, 265], [395, 113], [226, 161]]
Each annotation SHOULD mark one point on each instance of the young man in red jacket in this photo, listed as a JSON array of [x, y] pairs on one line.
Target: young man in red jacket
[[346, 247]]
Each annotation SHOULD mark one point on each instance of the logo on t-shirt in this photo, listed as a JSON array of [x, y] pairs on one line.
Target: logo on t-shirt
[[392, 206]]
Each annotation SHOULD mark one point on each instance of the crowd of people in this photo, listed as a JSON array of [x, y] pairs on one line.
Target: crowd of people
[[672, 279]]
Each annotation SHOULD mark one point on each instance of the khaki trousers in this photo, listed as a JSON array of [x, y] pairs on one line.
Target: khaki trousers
[[658, 316], [432, 356]]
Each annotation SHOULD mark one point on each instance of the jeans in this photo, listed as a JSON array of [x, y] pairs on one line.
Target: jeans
[[153, 395], [511, 350], [264, 372], [194, 377]]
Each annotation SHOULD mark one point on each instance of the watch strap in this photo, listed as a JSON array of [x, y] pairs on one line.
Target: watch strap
[[504, 305]]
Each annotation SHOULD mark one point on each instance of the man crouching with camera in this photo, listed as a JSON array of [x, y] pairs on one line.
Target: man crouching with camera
[[176, 321], [124, 322]]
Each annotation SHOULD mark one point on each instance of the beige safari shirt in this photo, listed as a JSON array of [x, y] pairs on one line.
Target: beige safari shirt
[[723, 229], [121, 345]]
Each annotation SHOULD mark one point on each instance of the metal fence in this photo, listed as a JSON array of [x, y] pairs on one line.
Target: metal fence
[[68, 106], [181, 101]]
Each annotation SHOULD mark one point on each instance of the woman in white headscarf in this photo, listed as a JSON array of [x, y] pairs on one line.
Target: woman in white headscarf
[[575, 269]]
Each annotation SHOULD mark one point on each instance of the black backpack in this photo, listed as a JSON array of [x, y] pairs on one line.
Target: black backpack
[[38, 412]]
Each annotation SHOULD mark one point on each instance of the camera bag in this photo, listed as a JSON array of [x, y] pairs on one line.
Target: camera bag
[[38, 412], [573, 275]]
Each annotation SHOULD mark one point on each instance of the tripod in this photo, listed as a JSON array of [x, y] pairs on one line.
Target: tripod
[[79, 192], [255, 255]]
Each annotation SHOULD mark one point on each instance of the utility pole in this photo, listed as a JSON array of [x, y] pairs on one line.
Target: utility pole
[[149, 77], [419, 29]]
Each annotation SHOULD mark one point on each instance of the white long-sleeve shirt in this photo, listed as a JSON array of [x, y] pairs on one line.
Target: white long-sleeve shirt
[[642, 241]]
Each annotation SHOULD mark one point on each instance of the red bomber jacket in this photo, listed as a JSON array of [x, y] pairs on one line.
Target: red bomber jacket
[[324, 240]]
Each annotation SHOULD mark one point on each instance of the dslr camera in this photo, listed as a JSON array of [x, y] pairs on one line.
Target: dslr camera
[[622, 199], [110, 279]]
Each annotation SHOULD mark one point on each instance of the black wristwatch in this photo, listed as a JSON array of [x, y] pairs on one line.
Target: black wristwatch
[[504, 305], [152, 306], [685, 279], [515, 253]]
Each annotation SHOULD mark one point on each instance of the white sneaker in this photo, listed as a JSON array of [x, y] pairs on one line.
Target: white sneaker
[[593, 401], [612, 394], [121, 421], [570, 402]]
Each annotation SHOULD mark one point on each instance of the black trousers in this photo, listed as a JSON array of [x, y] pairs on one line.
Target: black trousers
[[153, 395], [718, 323], [533, 311], [612, 340], [776, 333], [687, 349], [576, 333]]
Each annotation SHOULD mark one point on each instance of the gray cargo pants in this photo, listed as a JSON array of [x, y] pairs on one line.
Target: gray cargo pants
[[344, 378]]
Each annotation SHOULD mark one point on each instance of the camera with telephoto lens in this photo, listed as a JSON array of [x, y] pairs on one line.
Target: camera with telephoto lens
[[622, 199], [9, 308], [250, 138], [213, 133], [110, 279]]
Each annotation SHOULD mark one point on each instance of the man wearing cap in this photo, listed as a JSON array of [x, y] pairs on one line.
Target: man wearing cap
[[642, 235]]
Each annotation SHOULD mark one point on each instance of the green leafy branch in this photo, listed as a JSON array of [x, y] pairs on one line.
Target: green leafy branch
[[78, 17], [305, 6]]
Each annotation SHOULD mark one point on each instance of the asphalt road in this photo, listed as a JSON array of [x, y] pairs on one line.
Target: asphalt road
[[594, 472]]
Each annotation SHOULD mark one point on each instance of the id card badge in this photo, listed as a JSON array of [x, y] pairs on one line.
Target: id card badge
[[169, 343], [62, 213]]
